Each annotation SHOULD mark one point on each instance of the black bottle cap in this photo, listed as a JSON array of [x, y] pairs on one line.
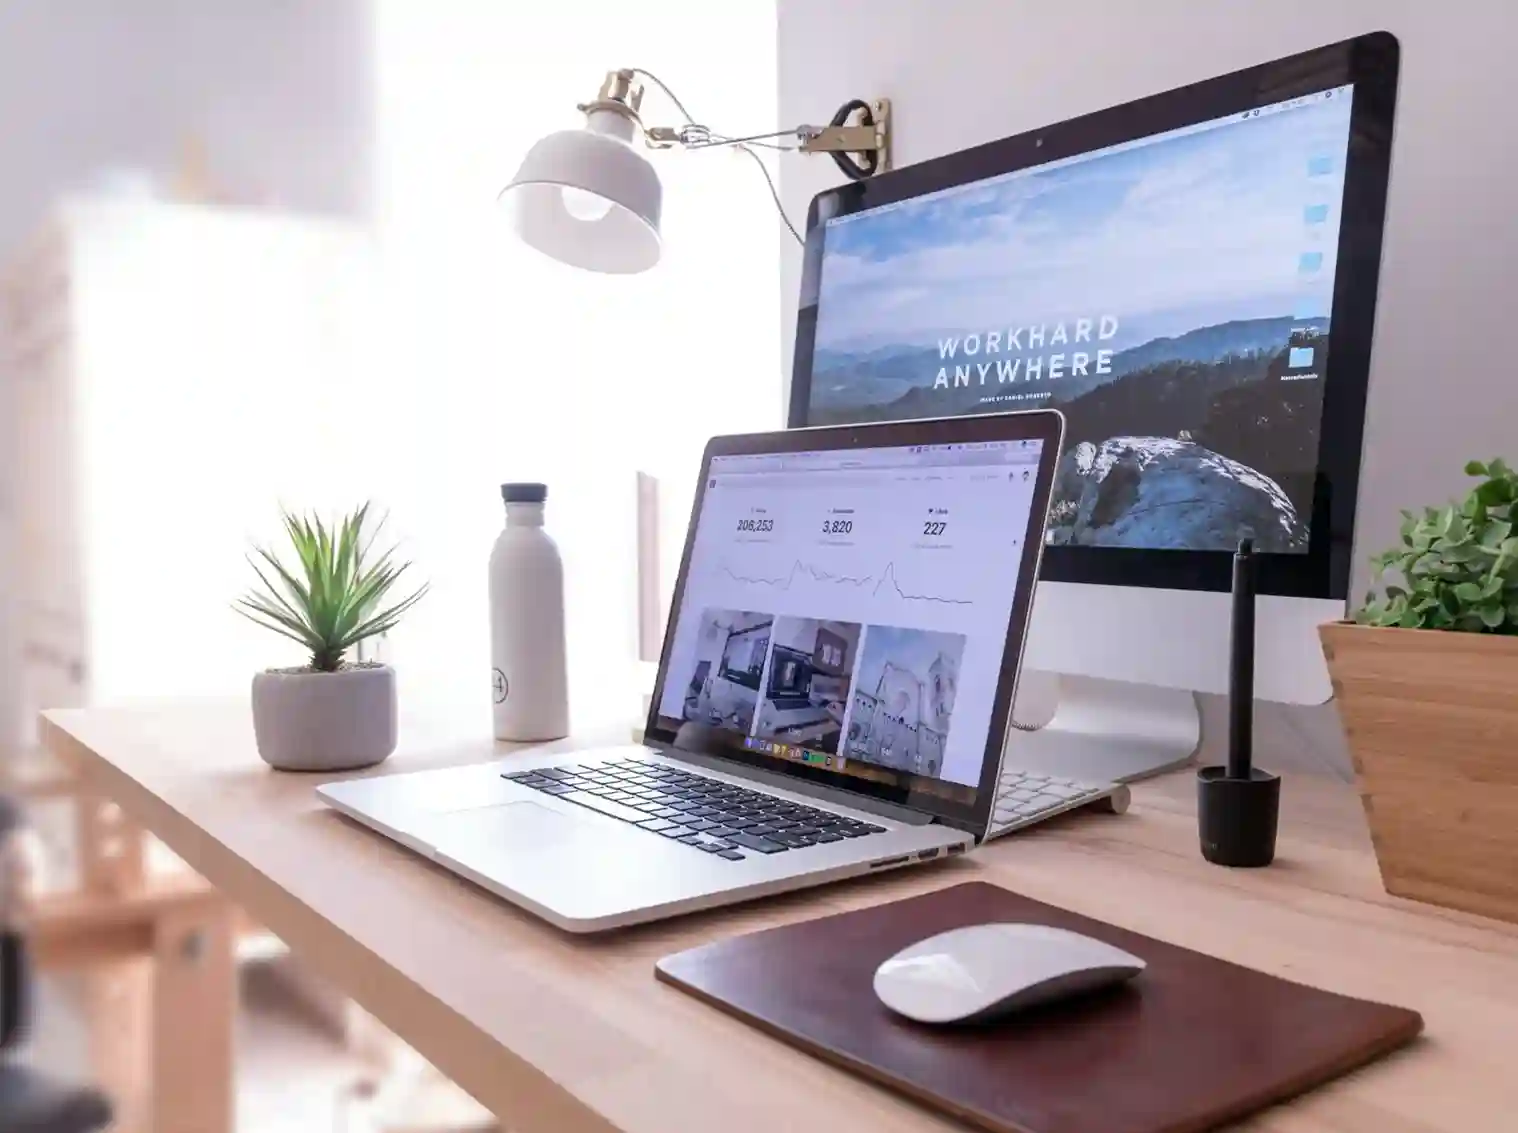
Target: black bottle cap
[[524, 493], [1236, 818]]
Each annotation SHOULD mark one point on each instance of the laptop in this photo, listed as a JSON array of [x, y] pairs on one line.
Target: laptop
[[832, 698]]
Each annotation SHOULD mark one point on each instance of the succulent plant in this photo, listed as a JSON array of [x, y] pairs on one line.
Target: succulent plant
[[334, 596]]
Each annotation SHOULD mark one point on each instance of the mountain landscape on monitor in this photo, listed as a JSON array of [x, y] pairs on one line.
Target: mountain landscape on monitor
[[1171, 297], [1191, 441]]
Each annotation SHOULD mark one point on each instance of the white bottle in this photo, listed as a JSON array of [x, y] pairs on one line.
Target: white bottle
[[529, 678]]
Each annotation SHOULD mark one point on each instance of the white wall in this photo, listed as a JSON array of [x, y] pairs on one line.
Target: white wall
[[962, 72], [278, 91]]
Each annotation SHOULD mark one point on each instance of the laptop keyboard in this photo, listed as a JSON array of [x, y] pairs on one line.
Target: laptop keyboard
[[727, 821]]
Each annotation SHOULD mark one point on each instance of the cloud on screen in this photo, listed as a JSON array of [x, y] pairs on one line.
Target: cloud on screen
[[1207, 225]]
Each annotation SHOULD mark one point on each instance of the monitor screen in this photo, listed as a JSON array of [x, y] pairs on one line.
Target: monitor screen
[[1170, 295], [838, 611]]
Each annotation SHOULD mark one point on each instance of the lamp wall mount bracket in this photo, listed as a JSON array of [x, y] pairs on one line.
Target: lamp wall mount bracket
[[873, 138]]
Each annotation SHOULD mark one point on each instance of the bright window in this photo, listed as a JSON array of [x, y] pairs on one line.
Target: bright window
[[498, 364]]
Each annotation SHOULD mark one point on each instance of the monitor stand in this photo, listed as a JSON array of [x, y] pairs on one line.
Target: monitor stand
[[1102, 731]]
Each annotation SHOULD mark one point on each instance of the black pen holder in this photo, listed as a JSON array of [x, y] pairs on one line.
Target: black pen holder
[[1236, 818]]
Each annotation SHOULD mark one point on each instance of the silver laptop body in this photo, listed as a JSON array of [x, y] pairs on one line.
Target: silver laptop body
[[832, 699]]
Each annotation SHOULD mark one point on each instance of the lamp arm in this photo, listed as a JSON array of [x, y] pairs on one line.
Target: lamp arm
[[693, 136], [861, 149], [655, 137]]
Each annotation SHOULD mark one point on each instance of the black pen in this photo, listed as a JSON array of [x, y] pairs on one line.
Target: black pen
[[1238, 805], [1241, 665]]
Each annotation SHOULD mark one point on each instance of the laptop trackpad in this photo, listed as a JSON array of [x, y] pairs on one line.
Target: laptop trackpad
[[583, 869], [512, 828]]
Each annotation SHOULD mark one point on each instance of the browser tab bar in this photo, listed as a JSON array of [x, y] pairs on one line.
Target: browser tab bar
[[910, 456]]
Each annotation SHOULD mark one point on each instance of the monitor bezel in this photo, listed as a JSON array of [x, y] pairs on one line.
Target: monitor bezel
[[1044, 425], [1369, 62]]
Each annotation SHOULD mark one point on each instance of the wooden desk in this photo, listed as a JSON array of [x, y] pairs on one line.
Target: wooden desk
[[561, 1035]]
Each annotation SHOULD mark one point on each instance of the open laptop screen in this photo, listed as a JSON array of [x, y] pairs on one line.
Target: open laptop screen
[[849, 610]]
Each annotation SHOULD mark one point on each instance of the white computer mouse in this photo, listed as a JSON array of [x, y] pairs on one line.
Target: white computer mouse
[[975, 974]]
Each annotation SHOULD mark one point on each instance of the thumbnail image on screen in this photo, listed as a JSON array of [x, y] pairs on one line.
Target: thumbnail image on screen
[[807, 693], [720, 686], [904, 698], [1170, 296]]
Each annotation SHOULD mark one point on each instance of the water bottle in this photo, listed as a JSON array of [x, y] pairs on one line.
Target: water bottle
[[529, 678]]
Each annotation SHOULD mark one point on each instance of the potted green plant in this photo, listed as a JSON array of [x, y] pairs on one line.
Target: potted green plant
[[332, 714], [1426, 678]]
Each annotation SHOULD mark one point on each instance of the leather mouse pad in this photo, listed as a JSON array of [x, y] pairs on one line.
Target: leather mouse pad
[[1190, 1044]]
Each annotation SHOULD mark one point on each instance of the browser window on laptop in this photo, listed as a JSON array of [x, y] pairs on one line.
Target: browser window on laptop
[[849, 609]]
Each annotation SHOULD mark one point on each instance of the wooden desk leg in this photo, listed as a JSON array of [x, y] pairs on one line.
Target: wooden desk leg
[[118, 1006], [194, 1014]]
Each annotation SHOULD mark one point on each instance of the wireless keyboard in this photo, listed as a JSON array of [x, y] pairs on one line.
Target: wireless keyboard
[[1023, 798]]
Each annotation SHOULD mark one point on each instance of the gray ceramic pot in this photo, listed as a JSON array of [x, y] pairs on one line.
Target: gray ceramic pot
[[307, 721]]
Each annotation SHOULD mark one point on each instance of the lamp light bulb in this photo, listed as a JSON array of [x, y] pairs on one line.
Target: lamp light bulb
[[584, 205]]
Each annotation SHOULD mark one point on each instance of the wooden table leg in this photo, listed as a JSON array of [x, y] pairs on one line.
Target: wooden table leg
[[118, 1005], [194, 1014]]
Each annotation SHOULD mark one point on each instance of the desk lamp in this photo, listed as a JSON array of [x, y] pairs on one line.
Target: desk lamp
[[588, 198]]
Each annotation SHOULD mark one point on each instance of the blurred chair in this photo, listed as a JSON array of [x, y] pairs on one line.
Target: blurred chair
[[30, 1102]]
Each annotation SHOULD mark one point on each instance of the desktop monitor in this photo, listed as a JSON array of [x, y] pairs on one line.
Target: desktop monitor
[[1191, 280]]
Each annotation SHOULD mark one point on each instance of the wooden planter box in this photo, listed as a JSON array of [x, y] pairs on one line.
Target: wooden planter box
[[1432, 723]]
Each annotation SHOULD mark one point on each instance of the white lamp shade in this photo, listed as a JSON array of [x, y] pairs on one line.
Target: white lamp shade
[[587, 198]]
